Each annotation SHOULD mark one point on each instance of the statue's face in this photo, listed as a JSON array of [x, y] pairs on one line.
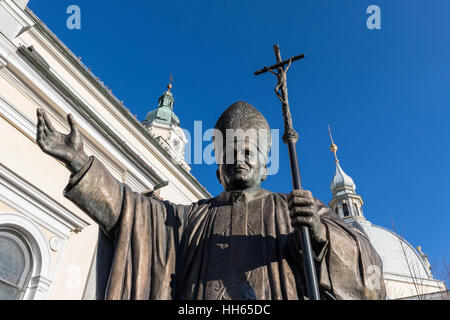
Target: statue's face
[[244, 170]]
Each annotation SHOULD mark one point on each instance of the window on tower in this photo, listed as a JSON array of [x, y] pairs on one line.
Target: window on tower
[[345, 209]]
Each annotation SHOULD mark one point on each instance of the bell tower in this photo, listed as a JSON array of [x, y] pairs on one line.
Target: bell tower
[[164, 125], [345, 202]]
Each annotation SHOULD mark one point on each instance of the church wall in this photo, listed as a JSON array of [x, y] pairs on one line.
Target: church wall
[[396, 289], [62, 237], [72, 272], [4, 208], [50, 177], [157, 131], [25, 157], [109, 114], [178, 187]]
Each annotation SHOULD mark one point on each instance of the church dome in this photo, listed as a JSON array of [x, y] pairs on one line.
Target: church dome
[[164, 113], [398, 256], [341, 181], [406, 271], [151, 115]]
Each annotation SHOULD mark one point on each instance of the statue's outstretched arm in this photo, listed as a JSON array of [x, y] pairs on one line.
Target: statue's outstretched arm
[[97, 193], [91, 186]]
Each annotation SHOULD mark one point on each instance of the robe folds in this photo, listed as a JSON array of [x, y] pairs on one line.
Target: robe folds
[[238, 245]]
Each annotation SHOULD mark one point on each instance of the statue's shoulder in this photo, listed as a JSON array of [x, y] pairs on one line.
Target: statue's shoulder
[[275, 195], [322, 208], [280, 194], [284, 196], [202, 203]]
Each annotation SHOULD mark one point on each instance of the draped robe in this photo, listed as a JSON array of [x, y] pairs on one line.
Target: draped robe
[[238, 245]]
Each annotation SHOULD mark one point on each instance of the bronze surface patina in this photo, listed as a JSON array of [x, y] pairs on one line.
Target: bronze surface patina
[[242, 244]]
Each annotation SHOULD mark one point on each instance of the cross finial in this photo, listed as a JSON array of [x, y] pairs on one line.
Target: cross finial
[[333, 147]]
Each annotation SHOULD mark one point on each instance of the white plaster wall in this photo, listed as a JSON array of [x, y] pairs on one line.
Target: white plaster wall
[[396, 289], [22, 91]]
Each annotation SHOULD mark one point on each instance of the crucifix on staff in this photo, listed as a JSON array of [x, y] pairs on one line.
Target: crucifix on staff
[[290, 137]]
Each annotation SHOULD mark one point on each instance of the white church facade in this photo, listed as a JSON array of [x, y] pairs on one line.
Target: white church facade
[[47, 244]]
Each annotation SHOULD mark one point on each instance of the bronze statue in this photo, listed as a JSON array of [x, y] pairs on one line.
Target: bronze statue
[[242, 244]]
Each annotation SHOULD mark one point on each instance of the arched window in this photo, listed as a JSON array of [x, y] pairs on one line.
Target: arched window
[[15, 265]]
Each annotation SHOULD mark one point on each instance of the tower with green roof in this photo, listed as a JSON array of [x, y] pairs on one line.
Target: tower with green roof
[[164, 125]]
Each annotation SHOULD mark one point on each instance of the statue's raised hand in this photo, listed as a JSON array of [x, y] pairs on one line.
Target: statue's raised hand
[[65, 147]]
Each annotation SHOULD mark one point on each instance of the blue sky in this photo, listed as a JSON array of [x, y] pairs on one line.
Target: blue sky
[[385, 92]]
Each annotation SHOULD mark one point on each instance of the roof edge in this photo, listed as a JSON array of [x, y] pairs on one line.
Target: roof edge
[[124, 111]]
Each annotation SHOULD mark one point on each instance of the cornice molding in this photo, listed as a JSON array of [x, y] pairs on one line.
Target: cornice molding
[[3, 62], [13, 20], [87, 113], [31, 201], [177, 169]]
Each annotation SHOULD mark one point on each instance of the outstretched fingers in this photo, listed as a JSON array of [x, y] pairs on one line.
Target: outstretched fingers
[[40, 123], [47, 122], [44, 125], [40, 129], [72, 124]]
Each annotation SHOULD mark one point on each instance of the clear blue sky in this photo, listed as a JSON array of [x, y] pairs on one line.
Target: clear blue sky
[[385, 92]]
